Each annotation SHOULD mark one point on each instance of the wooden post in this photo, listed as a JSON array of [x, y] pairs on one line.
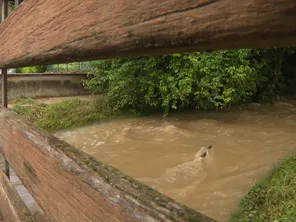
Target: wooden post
[[4, 8], [17, 3], [4, 87], [5, 103]]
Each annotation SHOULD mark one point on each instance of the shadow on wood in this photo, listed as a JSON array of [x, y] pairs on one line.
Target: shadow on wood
[[70, 185], [12, 208]]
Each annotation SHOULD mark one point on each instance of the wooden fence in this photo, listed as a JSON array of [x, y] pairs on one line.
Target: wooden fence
[[68, 184]]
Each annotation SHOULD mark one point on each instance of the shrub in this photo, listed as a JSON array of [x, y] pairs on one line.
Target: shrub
[[32, 69], [200, 80]]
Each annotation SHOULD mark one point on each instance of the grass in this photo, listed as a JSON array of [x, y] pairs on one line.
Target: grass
[[66, 114], [274, 199]]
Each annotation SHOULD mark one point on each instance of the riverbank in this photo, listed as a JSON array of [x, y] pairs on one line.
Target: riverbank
[[273, 199], [65, 114]]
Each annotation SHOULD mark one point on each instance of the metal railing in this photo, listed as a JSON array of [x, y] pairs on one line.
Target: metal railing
[[69, 67]]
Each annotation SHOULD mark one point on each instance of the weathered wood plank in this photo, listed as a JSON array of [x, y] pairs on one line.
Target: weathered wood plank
[[47, 31], [70, 185], [12, 207]]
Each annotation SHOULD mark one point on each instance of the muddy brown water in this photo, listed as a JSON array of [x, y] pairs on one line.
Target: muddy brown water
[[167, 153]]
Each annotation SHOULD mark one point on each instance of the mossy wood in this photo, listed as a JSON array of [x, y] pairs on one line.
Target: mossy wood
[[70, 185]]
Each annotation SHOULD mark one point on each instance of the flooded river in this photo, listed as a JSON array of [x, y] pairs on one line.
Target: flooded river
[[207, 161], [167, 154]]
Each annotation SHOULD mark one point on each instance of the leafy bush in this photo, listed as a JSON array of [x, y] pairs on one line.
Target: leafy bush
[[200, 80], [266, 61], [32, 69]]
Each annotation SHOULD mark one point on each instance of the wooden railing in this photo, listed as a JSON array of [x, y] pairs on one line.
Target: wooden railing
[[59, 31], [68, 184]]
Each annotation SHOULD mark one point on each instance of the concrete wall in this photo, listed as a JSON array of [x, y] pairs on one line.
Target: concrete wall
[[44, 85]]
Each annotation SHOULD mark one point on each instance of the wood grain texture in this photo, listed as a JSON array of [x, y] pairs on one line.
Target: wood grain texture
[[12, 207], [70, 185], [47, 31]]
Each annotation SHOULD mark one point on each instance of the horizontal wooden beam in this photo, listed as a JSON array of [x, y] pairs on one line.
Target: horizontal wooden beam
[[12, 208], [70, 185], [50, 31]]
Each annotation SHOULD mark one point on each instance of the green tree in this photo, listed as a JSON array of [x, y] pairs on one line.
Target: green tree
[[191, 80], [32, 69]]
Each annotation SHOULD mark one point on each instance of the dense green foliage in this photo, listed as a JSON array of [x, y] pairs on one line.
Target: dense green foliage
[[32, 69], [64, 115], [67, 67], [272, 200], [192, 80], [267, 61]]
